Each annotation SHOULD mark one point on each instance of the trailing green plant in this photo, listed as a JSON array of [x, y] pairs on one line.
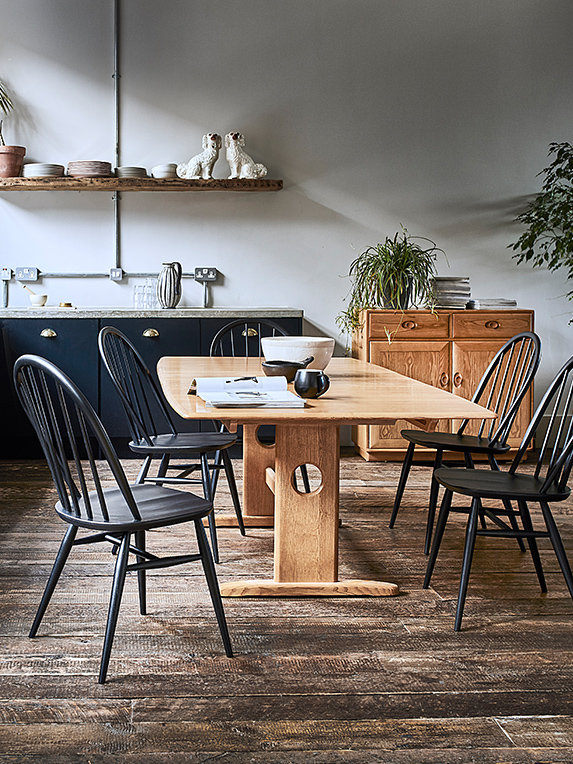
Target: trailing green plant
[[548, 238], [395, 273], [6, 106]]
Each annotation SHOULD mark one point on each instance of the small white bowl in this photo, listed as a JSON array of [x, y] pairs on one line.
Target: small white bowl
[[164, 171], [38, 300], [299, 348]]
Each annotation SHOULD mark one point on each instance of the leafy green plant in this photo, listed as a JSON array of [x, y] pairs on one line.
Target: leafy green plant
[[6, 106], [393, 274], [548, 238]]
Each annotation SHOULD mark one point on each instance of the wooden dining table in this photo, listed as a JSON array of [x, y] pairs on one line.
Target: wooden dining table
[[306, 524]]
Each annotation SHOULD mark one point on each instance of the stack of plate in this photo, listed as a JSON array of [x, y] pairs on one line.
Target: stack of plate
[[451, 291], [131, 172], [42, 170], [89, 168]]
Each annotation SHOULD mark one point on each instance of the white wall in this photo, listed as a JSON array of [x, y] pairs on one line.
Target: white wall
[[436, 115]]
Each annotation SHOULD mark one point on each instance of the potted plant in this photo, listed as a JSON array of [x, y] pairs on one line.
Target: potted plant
[[395, 273], [11, 157], [548, 238]]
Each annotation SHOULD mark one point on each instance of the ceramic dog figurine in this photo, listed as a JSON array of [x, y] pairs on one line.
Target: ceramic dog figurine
[[240, 163], [201, 165]]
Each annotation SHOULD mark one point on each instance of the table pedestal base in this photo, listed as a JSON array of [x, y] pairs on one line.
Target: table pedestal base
[[350, 588]]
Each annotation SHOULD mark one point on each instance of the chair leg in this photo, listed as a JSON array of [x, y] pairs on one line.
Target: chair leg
[[469, 462], [532, 543], [212, 583], [434, 493], [140, 544], [304, 476], [507, 504], [555, 537], [438, 534], [143, 470], [115, 600], [230, 473], [206, 478], [406, 464], [217, 462], [467, 561], [163, 467], [60, 561]]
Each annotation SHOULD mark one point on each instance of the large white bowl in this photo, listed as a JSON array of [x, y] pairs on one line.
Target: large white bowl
[[299, 348]]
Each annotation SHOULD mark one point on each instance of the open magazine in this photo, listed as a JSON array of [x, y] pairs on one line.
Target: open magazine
[[245, 392]]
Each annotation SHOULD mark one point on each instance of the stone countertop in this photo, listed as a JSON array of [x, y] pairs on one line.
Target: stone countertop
[[113, 312]]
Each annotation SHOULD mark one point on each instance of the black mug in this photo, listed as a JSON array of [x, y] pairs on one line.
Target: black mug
[[309, 383]]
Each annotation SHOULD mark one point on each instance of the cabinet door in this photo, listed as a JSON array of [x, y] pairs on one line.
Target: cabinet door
[[469, 361], [153, 338], [427, 361], [69, 343]]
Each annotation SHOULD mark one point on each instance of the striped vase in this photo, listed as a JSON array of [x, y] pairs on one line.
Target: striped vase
[[169, 285]]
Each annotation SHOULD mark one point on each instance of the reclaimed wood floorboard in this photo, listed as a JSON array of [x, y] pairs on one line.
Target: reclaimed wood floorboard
[[383, 681]]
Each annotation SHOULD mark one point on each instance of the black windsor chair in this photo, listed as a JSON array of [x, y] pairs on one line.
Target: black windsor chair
[[68, 427], [243, 337], [547, 484], [154, 435], [502, 388]]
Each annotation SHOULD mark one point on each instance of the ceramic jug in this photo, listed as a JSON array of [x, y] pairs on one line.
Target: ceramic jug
[[310, 383], [169, 285]]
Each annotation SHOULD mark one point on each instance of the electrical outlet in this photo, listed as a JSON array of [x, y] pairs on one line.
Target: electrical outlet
[[116, 274], [27, 274], [206, 274], [5, 274]]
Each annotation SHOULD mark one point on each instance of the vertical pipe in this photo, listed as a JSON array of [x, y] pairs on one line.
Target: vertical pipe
[[116, 79]]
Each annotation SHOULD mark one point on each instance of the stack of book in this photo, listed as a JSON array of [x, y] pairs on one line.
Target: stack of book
[[496, 302], [451, 291]]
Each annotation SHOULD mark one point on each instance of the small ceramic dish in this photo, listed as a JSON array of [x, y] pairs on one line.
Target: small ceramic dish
[[286, 369]]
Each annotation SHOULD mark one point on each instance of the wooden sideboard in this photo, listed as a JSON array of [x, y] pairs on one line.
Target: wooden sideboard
[[449, 349]]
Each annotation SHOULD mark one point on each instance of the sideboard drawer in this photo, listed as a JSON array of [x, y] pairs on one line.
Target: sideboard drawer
[[479, 325], [414, 324]]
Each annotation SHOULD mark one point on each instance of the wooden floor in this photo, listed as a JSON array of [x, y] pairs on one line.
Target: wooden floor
[[314, 680]]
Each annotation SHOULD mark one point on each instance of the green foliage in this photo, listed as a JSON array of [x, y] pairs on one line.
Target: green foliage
[[392, 274], [548, 238], [6, 106]]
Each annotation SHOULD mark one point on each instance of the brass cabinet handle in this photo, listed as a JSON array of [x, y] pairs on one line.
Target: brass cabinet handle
[[48, 333], [458, 379], [492, 324], [150, 333], [409, 324], [444, 379], [250, 332]]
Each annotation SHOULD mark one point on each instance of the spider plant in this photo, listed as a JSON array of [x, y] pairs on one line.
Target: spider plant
[[395, 273], [6, 106]]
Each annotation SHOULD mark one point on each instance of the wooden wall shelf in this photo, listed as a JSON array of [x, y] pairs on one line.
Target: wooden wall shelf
[[137, 184]]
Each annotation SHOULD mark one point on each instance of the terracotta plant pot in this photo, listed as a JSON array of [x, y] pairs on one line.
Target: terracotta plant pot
[[11, 160]]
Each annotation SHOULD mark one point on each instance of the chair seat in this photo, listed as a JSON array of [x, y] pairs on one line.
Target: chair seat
[[451, 441], [489, 484], [157, 506], [185, 443]]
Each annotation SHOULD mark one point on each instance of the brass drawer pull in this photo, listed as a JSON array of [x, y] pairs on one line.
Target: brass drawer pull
[[492, 324], [409, 324], [48, 333], [151, 333], [444, 379], [250, 332], [458, 379]]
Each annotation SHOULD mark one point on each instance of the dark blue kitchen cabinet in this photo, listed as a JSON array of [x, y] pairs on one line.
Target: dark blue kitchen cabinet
[[69, 343]]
